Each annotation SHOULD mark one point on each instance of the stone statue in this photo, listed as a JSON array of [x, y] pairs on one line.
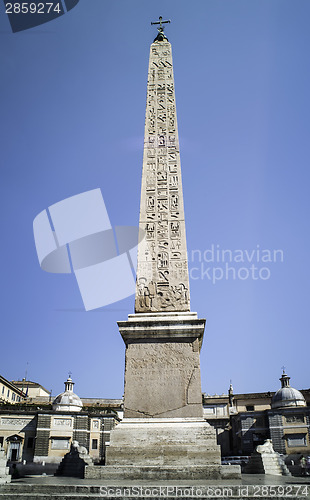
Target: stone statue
[[73, 464], [266, 447], [81, 451], [264, 460]]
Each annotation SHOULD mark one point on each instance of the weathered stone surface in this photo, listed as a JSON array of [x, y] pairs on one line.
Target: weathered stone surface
[[158, 449], [161, 381], [157, 473], [171, 441], [168, 326], [162, 368], [162, 272]]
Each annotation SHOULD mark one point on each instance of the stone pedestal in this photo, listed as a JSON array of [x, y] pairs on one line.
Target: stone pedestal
[[163, 442], [163, 449], [162, 366], [163, 434], [4, 470]]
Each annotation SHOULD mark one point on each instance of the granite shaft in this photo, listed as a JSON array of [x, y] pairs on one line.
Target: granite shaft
[[162, 269]]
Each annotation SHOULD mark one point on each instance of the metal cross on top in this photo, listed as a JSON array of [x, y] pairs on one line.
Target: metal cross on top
[[161, 22]]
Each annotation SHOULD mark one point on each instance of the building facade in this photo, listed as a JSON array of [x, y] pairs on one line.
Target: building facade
[[38, 430], [33, 390], [46, 435], [10, 393], [43, 434], [243, 421]]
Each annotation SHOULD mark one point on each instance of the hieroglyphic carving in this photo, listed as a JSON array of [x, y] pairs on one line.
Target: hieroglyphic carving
[[162, 273], [150, 230], [175, 231]]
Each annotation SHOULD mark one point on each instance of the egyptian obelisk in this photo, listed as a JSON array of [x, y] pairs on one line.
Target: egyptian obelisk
[[163, 433], [162, 272]]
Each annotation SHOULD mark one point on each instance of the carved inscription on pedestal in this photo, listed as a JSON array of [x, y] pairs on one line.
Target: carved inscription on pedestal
[[162, 271]]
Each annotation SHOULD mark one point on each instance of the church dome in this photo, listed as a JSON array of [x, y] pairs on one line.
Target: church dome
[[287, 396], [67, 400]]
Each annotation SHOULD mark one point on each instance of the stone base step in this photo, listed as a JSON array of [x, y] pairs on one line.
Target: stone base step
[[163, 473], [264, 463]]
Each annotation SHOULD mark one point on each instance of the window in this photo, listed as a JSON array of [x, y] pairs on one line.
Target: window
[[250, 408], [8, 393], [13, 396], [30, 442], [1, 440], [209, 410], [294, 440], [18, 398], [260, 422], [3, 389], [94, 444]]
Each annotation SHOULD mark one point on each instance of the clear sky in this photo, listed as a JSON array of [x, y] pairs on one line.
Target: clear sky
[[72, 119]]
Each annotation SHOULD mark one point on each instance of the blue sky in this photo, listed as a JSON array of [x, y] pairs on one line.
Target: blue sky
[[72, 119]]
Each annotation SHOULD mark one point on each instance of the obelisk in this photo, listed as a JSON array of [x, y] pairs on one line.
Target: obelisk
[[163, 433], [163, 338], [162, 271]]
